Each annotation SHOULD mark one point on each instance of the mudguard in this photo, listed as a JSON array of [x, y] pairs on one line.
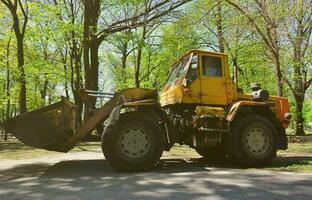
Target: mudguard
[[264, 110], [236, 107], [153, 109]]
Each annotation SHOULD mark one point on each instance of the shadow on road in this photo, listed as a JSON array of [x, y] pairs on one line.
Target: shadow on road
[[172, 179], [101, 167]]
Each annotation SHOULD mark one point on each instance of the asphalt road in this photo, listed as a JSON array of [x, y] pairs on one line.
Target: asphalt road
[[88, 176]]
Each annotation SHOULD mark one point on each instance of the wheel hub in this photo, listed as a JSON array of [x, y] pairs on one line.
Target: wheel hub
[[256, 141], [134, 143]]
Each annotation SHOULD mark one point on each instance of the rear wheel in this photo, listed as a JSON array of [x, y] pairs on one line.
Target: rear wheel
[[253, 141], [134, 143]]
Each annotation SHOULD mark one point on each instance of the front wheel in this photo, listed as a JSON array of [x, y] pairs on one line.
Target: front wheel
[[253, 141], [134, 143]]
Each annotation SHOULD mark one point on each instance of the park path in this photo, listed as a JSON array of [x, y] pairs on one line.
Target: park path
[[86, 175]]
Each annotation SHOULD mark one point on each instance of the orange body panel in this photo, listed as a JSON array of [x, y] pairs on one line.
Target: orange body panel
[[218, 91], [282, 108]]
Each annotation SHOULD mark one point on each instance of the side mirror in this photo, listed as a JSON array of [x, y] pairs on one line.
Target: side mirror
[[186, 82], [194, 65]]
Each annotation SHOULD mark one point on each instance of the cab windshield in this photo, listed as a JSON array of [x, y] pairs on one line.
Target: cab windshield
[[179, 70]]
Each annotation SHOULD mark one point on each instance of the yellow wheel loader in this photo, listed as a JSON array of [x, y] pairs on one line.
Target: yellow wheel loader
[[200, 106]]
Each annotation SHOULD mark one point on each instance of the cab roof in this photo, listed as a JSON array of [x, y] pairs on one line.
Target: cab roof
[[199, 52]]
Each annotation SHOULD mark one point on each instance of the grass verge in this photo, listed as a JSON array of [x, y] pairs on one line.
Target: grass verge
[[297, 158], [16, 150]]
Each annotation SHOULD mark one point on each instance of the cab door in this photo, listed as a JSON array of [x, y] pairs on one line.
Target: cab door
[[192, 92], [213, 83]]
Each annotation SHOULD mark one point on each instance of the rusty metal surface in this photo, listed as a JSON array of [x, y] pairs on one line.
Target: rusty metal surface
[[54, 127], [235, 107], [101, 114], [47, 128]]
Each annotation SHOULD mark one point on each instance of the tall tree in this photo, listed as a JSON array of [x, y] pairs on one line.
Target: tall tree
[[138, 61], [19, 27], [69, 42], [91, 46], [266, 25], [220, 31], [298, 28], [120, 21], [8, 84]]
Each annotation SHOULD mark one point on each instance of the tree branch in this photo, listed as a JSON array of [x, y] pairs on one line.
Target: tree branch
[[307, 84], [136, 20], [292, 89], [25, 14], [7, 3], [252, 21]]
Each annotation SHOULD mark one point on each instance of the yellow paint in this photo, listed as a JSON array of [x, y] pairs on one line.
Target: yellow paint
[[214, 91], [235, 107], [210, 111], [205, 90]]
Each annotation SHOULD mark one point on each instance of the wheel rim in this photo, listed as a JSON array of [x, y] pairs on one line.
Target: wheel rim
[[134, 143], [256, 141]]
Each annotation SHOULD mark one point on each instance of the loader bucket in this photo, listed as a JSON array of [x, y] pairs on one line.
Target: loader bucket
[[49, 127], [54, 127]]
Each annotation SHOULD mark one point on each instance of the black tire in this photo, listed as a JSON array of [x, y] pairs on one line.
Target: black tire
[[212, 154], [252, 152], [116, 150]]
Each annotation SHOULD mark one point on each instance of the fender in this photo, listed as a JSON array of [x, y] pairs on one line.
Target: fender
[[153, 109], [266, 112], [236, 107]]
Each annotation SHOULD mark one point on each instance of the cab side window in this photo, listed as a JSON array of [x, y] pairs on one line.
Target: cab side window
[[193, 71], [212, 66]]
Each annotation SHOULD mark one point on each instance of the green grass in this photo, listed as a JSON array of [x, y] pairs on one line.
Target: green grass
[[298, 148], [88, 146], [298, 157], [181, 151], [16, 150], [303, 165], [303, 148]]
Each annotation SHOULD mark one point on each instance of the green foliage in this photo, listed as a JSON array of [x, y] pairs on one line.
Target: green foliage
[[52, 30], [307, 109]]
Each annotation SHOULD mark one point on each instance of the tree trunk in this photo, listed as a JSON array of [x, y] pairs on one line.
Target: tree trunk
[[235, 70], [44, 91], [8, 85], [278, 74], [90, 51], [298, 90], [91, 74], [299, 116], [19, 27], [65, 81], [137, 68], [22, 78], [79, 104], [124, 57], [220, 28], [139, 58], [75, 79]]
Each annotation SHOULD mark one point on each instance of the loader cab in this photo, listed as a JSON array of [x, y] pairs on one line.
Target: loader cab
[[199, 77]]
